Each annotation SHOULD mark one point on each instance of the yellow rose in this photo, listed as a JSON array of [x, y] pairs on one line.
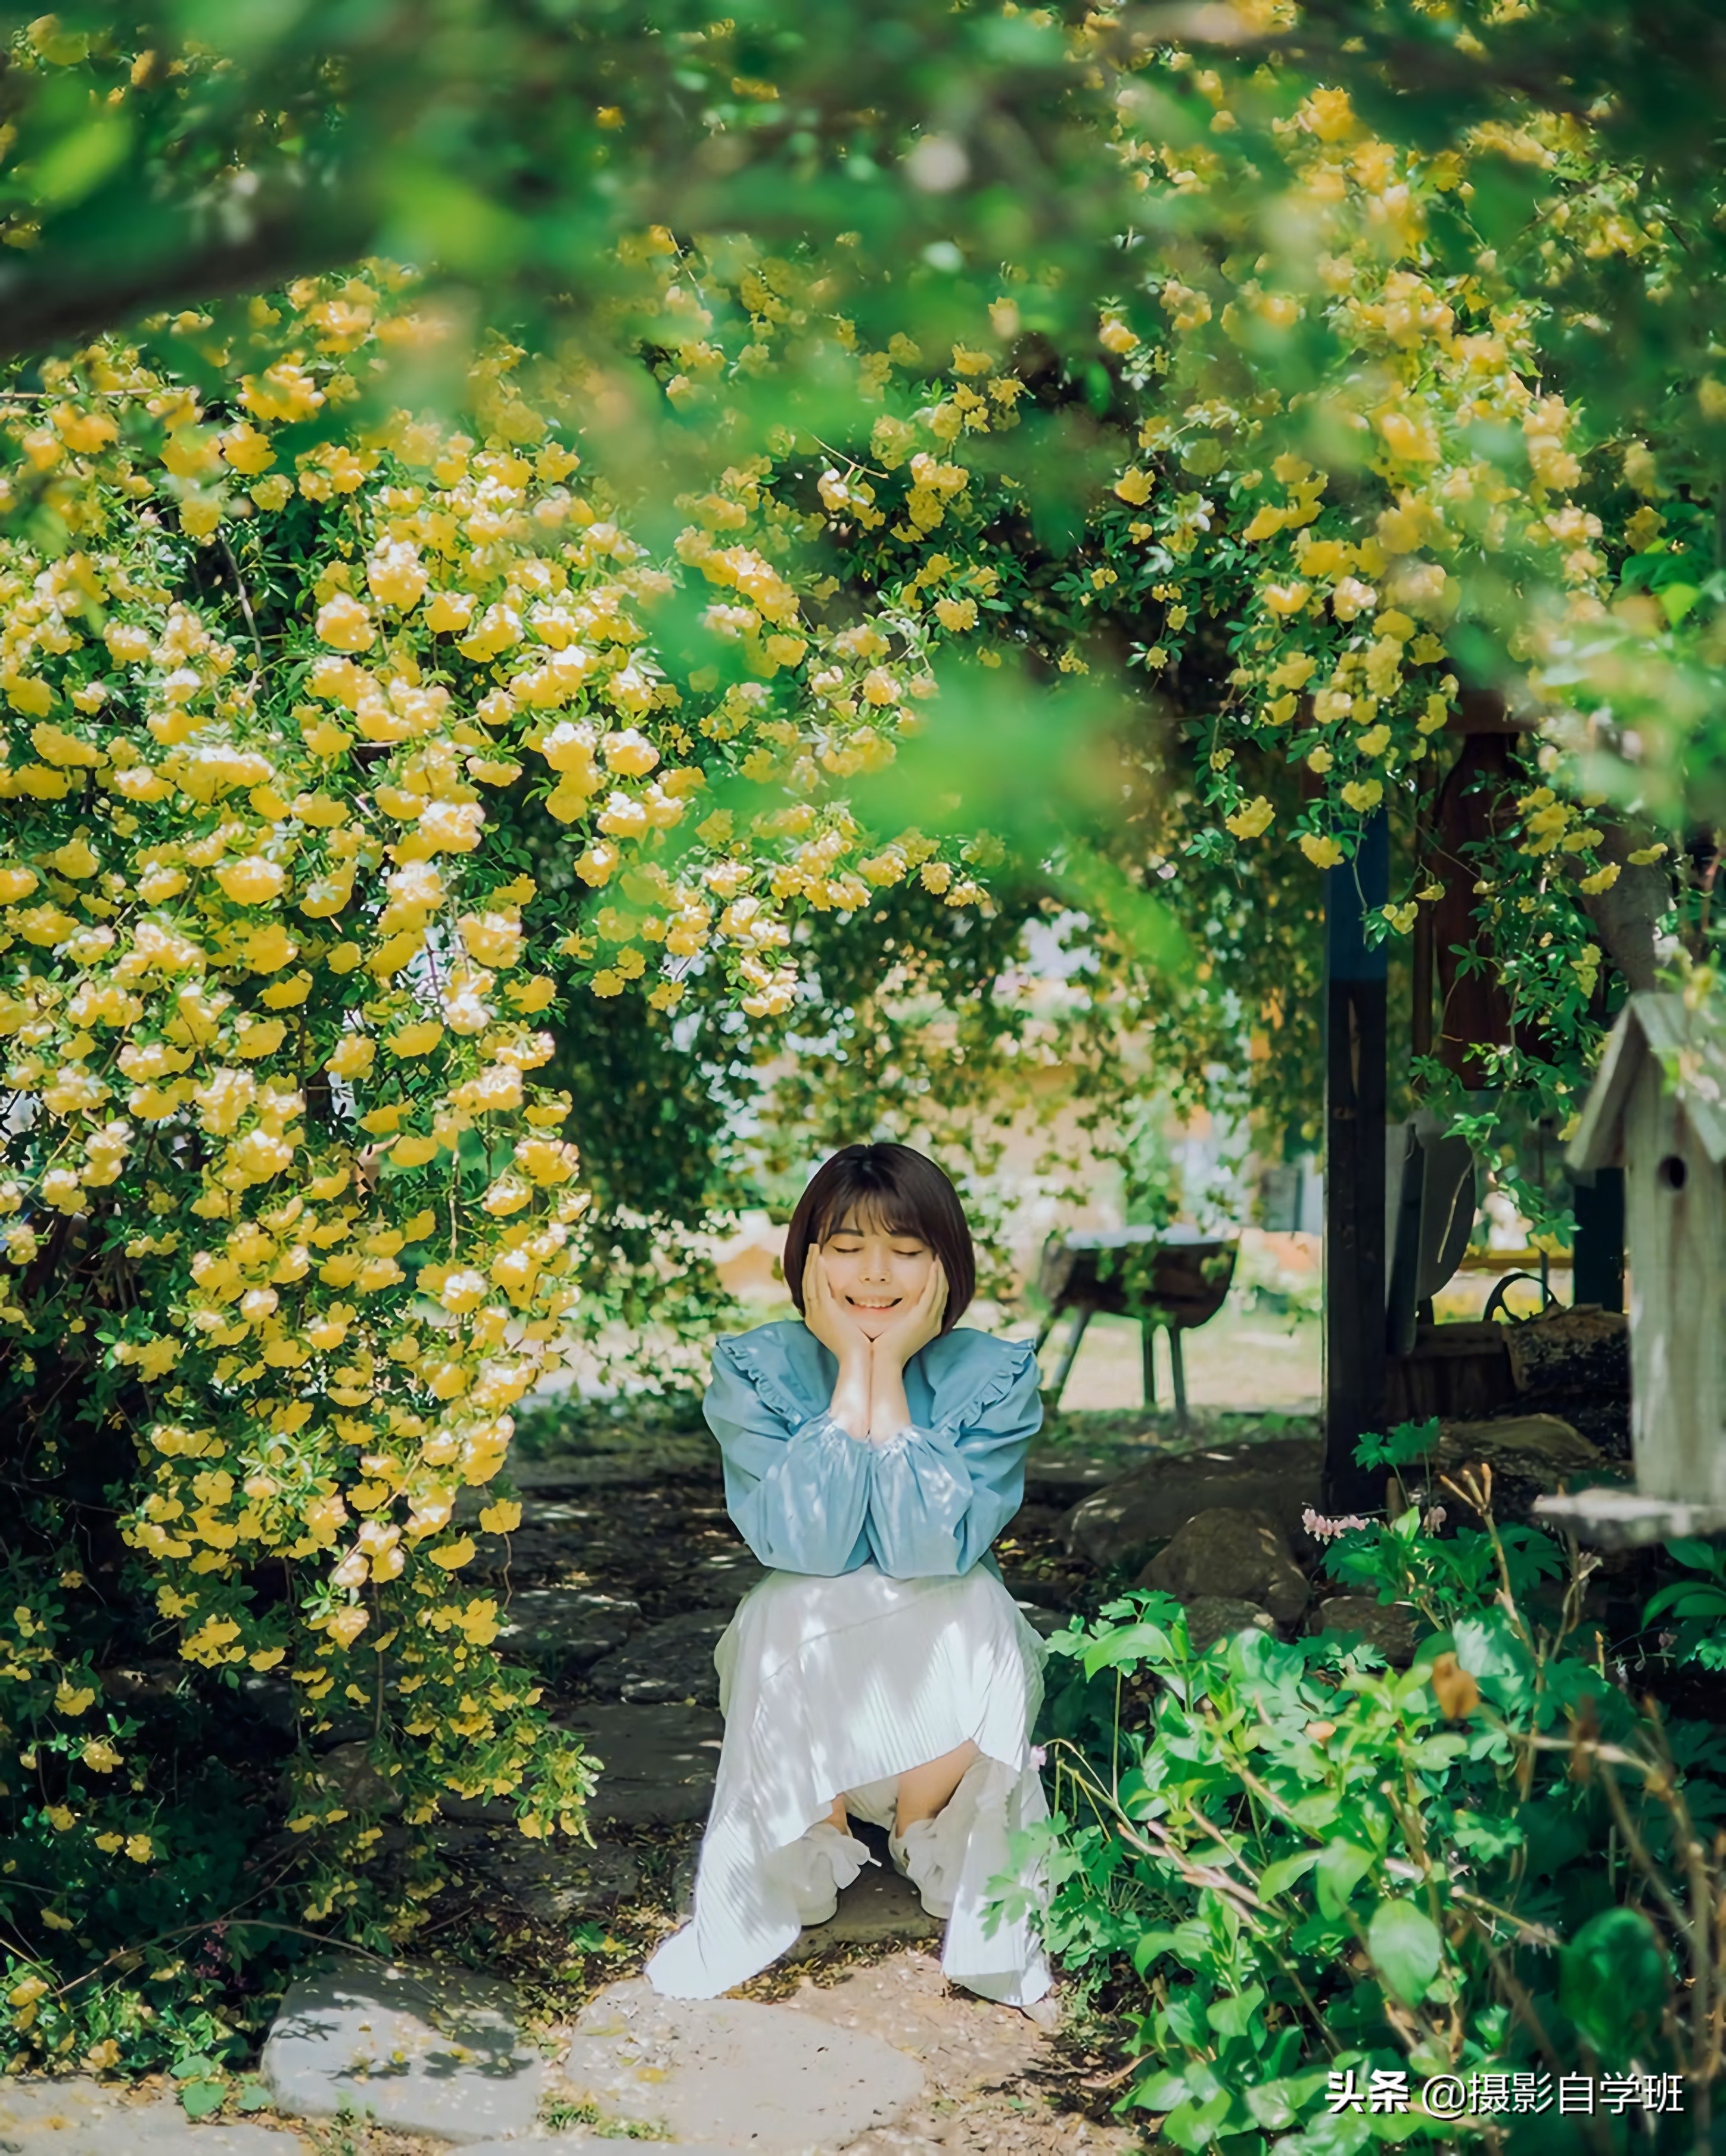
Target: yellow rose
[[1254, 819], [252, 879], [345, 625]]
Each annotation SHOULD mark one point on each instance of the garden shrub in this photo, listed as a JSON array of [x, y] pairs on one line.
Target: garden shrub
[[296, 688], [1284, 1863]]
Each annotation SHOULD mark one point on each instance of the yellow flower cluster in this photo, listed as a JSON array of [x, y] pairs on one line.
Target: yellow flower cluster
[[1350, 591]]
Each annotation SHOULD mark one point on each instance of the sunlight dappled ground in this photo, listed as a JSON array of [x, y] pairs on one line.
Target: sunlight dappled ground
[[1241, 1359]]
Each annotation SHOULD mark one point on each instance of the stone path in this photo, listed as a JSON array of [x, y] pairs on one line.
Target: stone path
[[433, 2051], [85, 2118], [623, 1573]]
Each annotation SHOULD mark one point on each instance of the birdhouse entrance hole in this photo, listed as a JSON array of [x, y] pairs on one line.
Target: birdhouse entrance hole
[[1673, 1172]]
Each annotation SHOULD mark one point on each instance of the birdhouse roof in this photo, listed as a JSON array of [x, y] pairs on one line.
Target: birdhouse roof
[[1690, 1048]]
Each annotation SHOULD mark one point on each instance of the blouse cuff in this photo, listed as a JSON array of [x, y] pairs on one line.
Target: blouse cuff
[[825, 1429]]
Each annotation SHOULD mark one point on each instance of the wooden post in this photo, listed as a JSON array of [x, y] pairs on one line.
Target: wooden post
[[1598, 1204], [1354, 1085]]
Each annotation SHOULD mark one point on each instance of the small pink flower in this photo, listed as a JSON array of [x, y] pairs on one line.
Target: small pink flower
[[1037, 1755], [1326, 1531]]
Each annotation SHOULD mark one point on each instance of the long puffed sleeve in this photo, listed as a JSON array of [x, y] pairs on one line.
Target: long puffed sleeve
[[940, 1495], [796, 1484]]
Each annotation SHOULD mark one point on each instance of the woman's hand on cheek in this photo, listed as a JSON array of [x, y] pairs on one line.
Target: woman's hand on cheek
[[831, 1323], [919, 1322]]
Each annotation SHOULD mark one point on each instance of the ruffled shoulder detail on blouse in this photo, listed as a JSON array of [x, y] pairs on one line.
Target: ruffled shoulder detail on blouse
[[968, 1372], [971, 1371], [784, 1361]]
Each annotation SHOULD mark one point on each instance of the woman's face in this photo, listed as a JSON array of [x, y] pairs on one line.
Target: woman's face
[[875, 1274]]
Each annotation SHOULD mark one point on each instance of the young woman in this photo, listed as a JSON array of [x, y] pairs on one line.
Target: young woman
[[881, 1671]]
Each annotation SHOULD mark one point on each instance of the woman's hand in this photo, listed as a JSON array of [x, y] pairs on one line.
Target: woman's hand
[[839, 1331], [827, 1317], [917, 1324]]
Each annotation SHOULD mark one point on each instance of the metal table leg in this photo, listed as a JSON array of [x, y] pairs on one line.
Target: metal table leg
[[1178, 1369], [1081, 1318]]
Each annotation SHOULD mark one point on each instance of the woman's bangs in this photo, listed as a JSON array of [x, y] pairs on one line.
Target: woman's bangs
[[875, 1212]]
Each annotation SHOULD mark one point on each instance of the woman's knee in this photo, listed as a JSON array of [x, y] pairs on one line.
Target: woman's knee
[[926, 1790]]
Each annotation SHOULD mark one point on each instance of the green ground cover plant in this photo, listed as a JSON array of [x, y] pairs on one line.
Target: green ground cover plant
[[1288, 1868]]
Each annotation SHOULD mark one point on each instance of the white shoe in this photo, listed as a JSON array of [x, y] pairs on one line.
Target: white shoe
[[917, 1855], [823, 1861]]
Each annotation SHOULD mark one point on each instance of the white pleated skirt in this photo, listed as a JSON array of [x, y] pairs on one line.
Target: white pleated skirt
[[831, 1686]]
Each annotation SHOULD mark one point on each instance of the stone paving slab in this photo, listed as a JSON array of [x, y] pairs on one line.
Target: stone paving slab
[[82, 2117], [427, 2050], [878, 1905], [563, 1631], [732, 2074], [583, 2141], [667, 1663], [660, 1762]]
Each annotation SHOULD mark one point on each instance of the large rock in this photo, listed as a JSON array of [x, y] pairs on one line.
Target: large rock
[[1124, 1519], [427, 2051], [79, 2116], [1213, 1617], [1530, 1455], [667, 1662], [727, 2073], [1236, 1553], [658, 1762], [1392, 1628], [563, 1631]]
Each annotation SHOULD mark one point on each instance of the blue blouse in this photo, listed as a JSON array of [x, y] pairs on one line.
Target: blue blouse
[[808, 1496]]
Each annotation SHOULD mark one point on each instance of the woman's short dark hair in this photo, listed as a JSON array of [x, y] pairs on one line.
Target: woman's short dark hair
[[905, 1193]]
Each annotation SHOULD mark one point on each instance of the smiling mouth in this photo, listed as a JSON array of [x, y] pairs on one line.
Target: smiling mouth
[[857, 1304]]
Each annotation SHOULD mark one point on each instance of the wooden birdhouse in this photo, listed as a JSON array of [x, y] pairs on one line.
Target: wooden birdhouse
[[1658, 1110]]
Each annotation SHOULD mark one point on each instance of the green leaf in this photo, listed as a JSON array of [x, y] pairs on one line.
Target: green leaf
[[1692, 1550], [77, 165], [1279, 1877], [198, 2099], [1687, 1597], [1406, 1949], [1236, 2016], [1282, 2102], [1161, 2092], [1341, 1868], [1131, 1643], [1677, 600], [1150, 1947], [1613, 1980]]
